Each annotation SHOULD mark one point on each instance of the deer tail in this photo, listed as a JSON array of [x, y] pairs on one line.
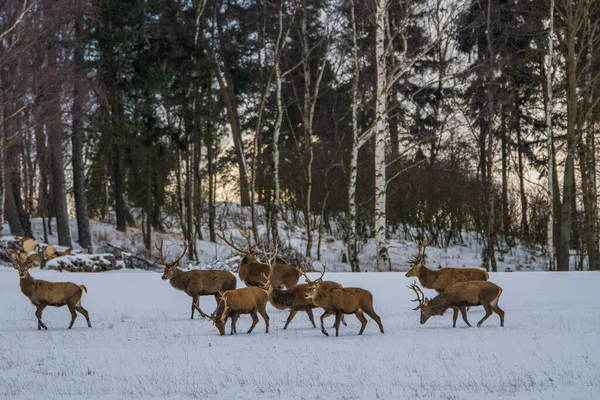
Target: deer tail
[[83, 288]]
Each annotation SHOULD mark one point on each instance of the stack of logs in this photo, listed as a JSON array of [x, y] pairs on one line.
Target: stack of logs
[[42, 255], [27, 247]]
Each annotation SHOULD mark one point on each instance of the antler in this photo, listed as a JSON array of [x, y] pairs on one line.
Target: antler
[[319, 279], [421, 246], [232, 244], [420, 296], [19, 259], [161, 258], [270, 263]]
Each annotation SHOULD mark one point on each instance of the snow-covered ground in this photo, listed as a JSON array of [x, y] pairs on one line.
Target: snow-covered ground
[[143, 345]]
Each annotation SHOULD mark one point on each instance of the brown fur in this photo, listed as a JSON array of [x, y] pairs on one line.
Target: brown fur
[[253, 273], [249, 300], [343, 301], [200, 283], [294, 300], [462, 295], [439, 280], [56, 294]]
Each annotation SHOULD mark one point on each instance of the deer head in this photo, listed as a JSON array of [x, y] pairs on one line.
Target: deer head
[[314, 286], [417, 260], [423, 303], [21, 262], [170, 267]]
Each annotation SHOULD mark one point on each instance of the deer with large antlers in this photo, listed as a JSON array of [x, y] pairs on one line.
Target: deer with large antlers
[[252, 272], [249, 300], [195, 283], [43, 293], [342, 301], [439, 280], [458, 297]]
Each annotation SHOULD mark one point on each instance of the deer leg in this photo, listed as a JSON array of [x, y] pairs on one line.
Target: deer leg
[[263, 312], [463, 312], [234, 319], [363, 321], [309, 312], [325, 315], [371, 313], [343, 321], [194, 301], [488, 312], [338, 320], [254, 316], [500, 313], [38, 314], [73, 315], [454, 317], [84, 312], [290, 318]]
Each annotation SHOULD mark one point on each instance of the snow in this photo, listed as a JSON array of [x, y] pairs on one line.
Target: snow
[[143, 345]]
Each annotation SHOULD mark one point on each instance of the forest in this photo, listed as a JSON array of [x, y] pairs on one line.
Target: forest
[[358, 119]]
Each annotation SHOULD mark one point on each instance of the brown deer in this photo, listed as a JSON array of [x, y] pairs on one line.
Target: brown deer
[[439, 280], [458, 297], [43, 293], [294, 299], [195, 283], [249, 300], [342, 301], [252, 272]]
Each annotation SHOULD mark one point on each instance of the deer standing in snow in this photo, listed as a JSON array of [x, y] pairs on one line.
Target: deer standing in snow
[[249, 300], [253, 273], [342, 301], [458, 297], [439, 280], [43, 293], [195, 283]]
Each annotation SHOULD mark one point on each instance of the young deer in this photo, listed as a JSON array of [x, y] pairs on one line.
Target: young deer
[[253, 272], [342, 301], [458, 297], [249, 300], [195, 283], [439, 280], [294, 299], [44, 293]]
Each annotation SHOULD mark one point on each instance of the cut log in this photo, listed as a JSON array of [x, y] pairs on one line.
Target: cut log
[[49, 251], [28, 245]]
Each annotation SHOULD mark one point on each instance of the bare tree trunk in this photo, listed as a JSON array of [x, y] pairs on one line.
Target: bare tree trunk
[[352, 220], [572, 100], [521, 168], [276, 133], [381, 128], [549, 109], [2, 156], [505, 157], [81, 208], [589, 177], [491, 215], [55, 141]]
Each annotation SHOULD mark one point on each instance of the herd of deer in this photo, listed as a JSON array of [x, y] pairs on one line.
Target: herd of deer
[[277, 283]]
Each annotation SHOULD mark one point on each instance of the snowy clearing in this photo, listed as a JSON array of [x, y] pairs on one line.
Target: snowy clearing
[[143, 345]]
